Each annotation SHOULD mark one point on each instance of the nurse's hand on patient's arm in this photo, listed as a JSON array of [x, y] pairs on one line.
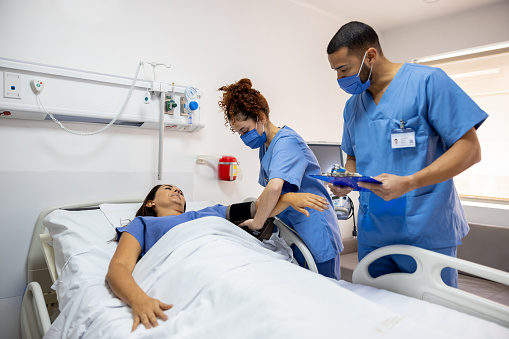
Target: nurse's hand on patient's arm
[[301, 201], [392, 187]]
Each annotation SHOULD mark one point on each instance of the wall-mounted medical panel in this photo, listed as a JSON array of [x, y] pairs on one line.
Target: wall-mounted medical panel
[[81, 96]]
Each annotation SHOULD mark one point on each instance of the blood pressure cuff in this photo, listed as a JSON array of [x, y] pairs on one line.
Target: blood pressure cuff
[[238, 213]]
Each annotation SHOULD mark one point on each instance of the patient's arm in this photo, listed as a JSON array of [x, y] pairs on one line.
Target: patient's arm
[[242, 214], [146, 310], [299, 201]]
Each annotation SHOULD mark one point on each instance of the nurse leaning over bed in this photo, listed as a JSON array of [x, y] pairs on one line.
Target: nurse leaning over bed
[[286, 165], [412, 128], [164, 208]]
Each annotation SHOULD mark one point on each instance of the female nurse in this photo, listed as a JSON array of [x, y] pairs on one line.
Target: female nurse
[[286, 165]]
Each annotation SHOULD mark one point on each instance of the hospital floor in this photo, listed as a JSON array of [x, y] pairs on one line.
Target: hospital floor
[[484, 288]]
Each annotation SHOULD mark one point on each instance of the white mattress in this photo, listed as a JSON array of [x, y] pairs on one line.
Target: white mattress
[[224, 284]]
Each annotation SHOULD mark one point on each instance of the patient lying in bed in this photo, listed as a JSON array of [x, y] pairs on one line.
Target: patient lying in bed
[[163, 209], [226, 284]]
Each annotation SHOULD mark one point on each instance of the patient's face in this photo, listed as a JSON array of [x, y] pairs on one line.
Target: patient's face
[[169, 196]]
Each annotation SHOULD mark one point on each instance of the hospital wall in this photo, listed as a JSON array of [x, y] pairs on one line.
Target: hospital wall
[[469, 29], [278, 44]]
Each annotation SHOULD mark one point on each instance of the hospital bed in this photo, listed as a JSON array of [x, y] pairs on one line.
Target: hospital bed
[[225, 283]]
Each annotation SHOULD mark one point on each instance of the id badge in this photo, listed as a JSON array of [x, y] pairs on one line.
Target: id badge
[[403, 138]]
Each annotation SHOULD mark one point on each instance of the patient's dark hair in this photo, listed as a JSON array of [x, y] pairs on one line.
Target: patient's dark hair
[[145, 211], [356, 37], [241, 101]]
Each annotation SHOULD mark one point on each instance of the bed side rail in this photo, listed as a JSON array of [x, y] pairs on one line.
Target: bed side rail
[[426, 284], [35, 319], [291, 237]]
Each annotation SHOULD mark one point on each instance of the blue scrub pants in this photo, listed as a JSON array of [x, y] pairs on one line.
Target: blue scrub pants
[[329, 268], [405, 263]]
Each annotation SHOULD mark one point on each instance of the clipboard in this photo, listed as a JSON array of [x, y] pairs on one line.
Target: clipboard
[[350, 180]]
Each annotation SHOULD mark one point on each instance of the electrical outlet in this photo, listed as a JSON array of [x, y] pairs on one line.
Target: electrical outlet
[[12, 86]]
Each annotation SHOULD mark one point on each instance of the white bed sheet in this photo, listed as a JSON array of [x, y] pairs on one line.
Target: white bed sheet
[[223, 284]]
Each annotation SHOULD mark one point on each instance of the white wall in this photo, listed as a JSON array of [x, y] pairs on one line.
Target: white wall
[[482, 26], [279, 45]]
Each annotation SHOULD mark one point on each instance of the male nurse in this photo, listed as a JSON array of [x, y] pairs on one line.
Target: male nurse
[[413, 129]]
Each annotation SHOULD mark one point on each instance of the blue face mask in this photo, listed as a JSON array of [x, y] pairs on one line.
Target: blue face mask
[[353, 84], [253, 139]]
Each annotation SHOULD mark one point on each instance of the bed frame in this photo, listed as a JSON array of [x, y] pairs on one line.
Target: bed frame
[[39, 299], [425, 283]]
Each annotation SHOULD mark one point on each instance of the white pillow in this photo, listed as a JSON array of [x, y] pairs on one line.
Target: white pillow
[[121, 214], [76, 231], [199, 205]]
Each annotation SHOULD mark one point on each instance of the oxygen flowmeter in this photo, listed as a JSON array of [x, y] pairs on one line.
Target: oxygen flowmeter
[[190, 103]]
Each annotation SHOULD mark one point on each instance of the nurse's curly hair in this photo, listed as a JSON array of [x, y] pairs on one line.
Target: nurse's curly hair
[[241, 102]]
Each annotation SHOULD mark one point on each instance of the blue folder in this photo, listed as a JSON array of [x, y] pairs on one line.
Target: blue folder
[[350, 181]]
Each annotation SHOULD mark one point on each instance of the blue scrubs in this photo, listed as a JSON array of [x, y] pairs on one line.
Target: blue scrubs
[[440, 113], [148, 230], [289, 158]]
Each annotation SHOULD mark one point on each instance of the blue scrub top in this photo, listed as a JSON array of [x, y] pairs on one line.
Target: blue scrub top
[[148, 230], [289, 158], [440, 113]]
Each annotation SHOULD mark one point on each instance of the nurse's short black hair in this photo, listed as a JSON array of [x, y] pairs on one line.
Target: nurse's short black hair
[[357, 37]]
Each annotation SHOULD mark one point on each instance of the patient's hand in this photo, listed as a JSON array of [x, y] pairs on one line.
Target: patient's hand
[[146, 310], [301, 201]]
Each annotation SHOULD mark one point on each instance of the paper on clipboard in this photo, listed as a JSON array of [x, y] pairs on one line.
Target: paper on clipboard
[[347, 180]]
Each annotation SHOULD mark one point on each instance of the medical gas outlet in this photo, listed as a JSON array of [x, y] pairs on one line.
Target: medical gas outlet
[[169, 105]]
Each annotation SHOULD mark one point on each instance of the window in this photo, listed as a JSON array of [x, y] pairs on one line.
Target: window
[[484, 76]]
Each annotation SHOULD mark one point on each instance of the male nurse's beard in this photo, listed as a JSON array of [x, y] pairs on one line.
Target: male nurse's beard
[[365, 74]]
